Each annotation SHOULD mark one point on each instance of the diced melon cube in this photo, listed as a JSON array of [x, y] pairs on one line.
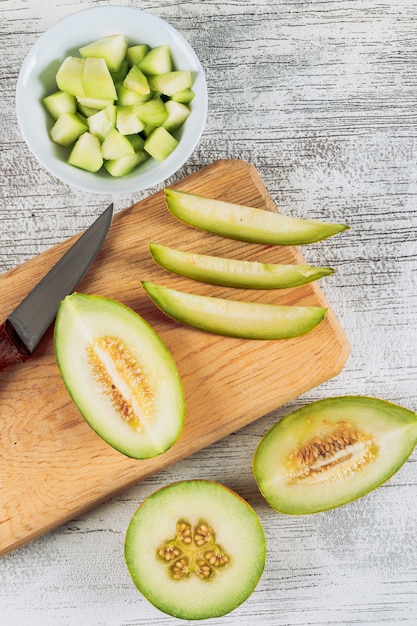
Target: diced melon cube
[[127, 97], [95, 104], [171, 82], [153, 112], [127, 122], [135, 54], [60, 102], [126, 164], [116, 145], [69, 76], [112, 49], [160, 144], [86, 153], [100, 123], [185, 96], [67, 128], [157, 61], [85, 110], [177, 114], [136, 81], [97, 81]]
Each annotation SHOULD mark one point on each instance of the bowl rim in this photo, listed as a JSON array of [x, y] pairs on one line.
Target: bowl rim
[[30, 115]]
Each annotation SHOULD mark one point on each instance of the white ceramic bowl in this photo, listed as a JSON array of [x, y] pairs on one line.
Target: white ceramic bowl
[[37, 79]]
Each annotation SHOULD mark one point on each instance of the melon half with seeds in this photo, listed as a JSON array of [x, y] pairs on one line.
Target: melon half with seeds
[[119, 374], [333, 451], [195, 549]]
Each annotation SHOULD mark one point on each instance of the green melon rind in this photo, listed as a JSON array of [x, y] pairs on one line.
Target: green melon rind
[[82, 317], [245, 223], [233, 318], [234, 272], [237, 530], [396, 430]]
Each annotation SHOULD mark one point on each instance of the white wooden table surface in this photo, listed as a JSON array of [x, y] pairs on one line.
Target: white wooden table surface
[[322, 98]]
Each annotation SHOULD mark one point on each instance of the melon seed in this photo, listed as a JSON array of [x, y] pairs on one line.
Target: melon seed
[[180, 568]]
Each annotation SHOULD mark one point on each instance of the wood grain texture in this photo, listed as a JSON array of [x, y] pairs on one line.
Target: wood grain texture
[[321, 98], [53, 467]]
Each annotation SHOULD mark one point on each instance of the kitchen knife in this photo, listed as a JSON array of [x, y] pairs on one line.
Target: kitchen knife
[[26, 325]]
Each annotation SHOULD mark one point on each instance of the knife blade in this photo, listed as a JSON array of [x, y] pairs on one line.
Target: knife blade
[[21, 332]]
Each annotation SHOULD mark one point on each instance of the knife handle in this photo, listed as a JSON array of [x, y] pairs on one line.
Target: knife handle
[[9, 353]]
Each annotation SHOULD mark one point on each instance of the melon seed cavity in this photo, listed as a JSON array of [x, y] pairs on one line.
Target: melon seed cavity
[[332, 455], [193, 550], [121, 377]]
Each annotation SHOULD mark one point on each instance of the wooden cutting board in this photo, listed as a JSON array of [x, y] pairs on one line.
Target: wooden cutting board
[[53, 467]]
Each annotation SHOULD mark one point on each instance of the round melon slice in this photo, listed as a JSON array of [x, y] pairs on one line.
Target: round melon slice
[[119, 374], [195, 549], [332, 451]]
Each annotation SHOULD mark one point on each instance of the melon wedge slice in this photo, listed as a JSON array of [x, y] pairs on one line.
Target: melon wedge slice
[[233, 318], [234, 272], [246, 223]]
